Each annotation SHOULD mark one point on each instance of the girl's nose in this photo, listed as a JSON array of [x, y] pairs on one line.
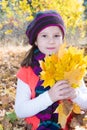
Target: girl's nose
[[51, 40]]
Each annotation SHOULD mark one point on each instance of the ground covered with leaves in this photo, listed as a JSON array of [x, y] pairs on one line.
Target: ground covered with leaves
[[10, 58]]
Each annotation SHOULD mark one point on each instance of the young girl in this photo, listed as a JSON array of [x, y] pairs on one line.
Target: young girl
[[34, 102]]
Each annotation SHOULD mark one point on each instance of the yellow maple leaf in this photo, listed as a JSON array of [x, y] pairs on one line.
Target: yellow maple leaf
[[48, 78], [62, 118], [74, 76], [76, 109], [61, 50]]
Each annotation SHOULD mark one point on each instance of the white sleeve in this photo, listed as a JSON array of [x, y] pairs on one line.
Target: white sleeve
[[81, 98], [25, 106]]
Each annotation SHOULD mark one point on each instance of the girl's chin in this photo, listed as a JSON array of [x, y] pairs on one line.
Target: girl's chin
[[50, 53]]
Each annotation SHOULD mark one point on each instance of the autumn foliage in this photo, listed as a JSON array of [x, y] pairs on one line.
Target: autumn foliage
[[67, 64], [15, 14]]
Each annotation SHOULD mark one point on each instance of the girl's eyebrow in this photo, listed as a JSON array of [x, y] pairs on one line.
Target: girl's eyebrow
[[47, 32], [43, 33]]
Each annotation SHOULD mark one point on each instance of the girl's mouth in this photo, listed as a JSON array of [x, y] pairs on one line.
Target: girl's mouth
[[50, 48]]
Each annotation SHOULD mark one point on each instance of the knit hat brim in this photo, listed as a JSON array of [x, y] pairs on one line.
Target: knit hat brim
[[43, 21]]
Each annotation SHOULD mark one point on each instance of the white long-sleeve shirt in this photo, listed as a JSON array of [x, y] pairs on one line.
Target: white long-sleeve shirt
[[26, 107]]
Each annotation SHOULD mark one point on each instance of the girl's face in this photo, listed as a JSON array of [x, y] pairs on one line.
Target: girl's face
[[49, 40]]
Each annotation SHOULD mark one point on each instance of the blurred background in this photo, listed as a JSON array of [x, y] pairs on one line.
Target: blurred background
[[16, 14]]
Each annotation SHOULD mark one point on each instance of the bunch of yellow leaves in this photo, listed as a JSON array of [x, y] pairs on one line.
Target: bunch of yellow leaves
[[69, 64]]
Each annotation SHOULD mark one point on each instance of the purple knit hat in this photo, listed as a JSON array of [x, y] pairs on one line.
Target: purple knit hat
[[41, 21]]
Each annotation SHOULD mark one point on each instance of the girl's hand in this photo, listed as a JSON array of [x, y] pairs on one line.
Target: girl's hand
[[62, 90]]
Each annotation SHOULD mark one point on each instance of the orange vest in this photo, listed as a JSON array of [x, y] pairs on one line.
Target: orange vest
[[29, 77]]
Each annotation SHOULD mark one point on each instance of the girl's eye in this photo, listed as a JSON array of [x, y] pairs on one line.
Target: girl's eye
[[57, 35], [44, 35]]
